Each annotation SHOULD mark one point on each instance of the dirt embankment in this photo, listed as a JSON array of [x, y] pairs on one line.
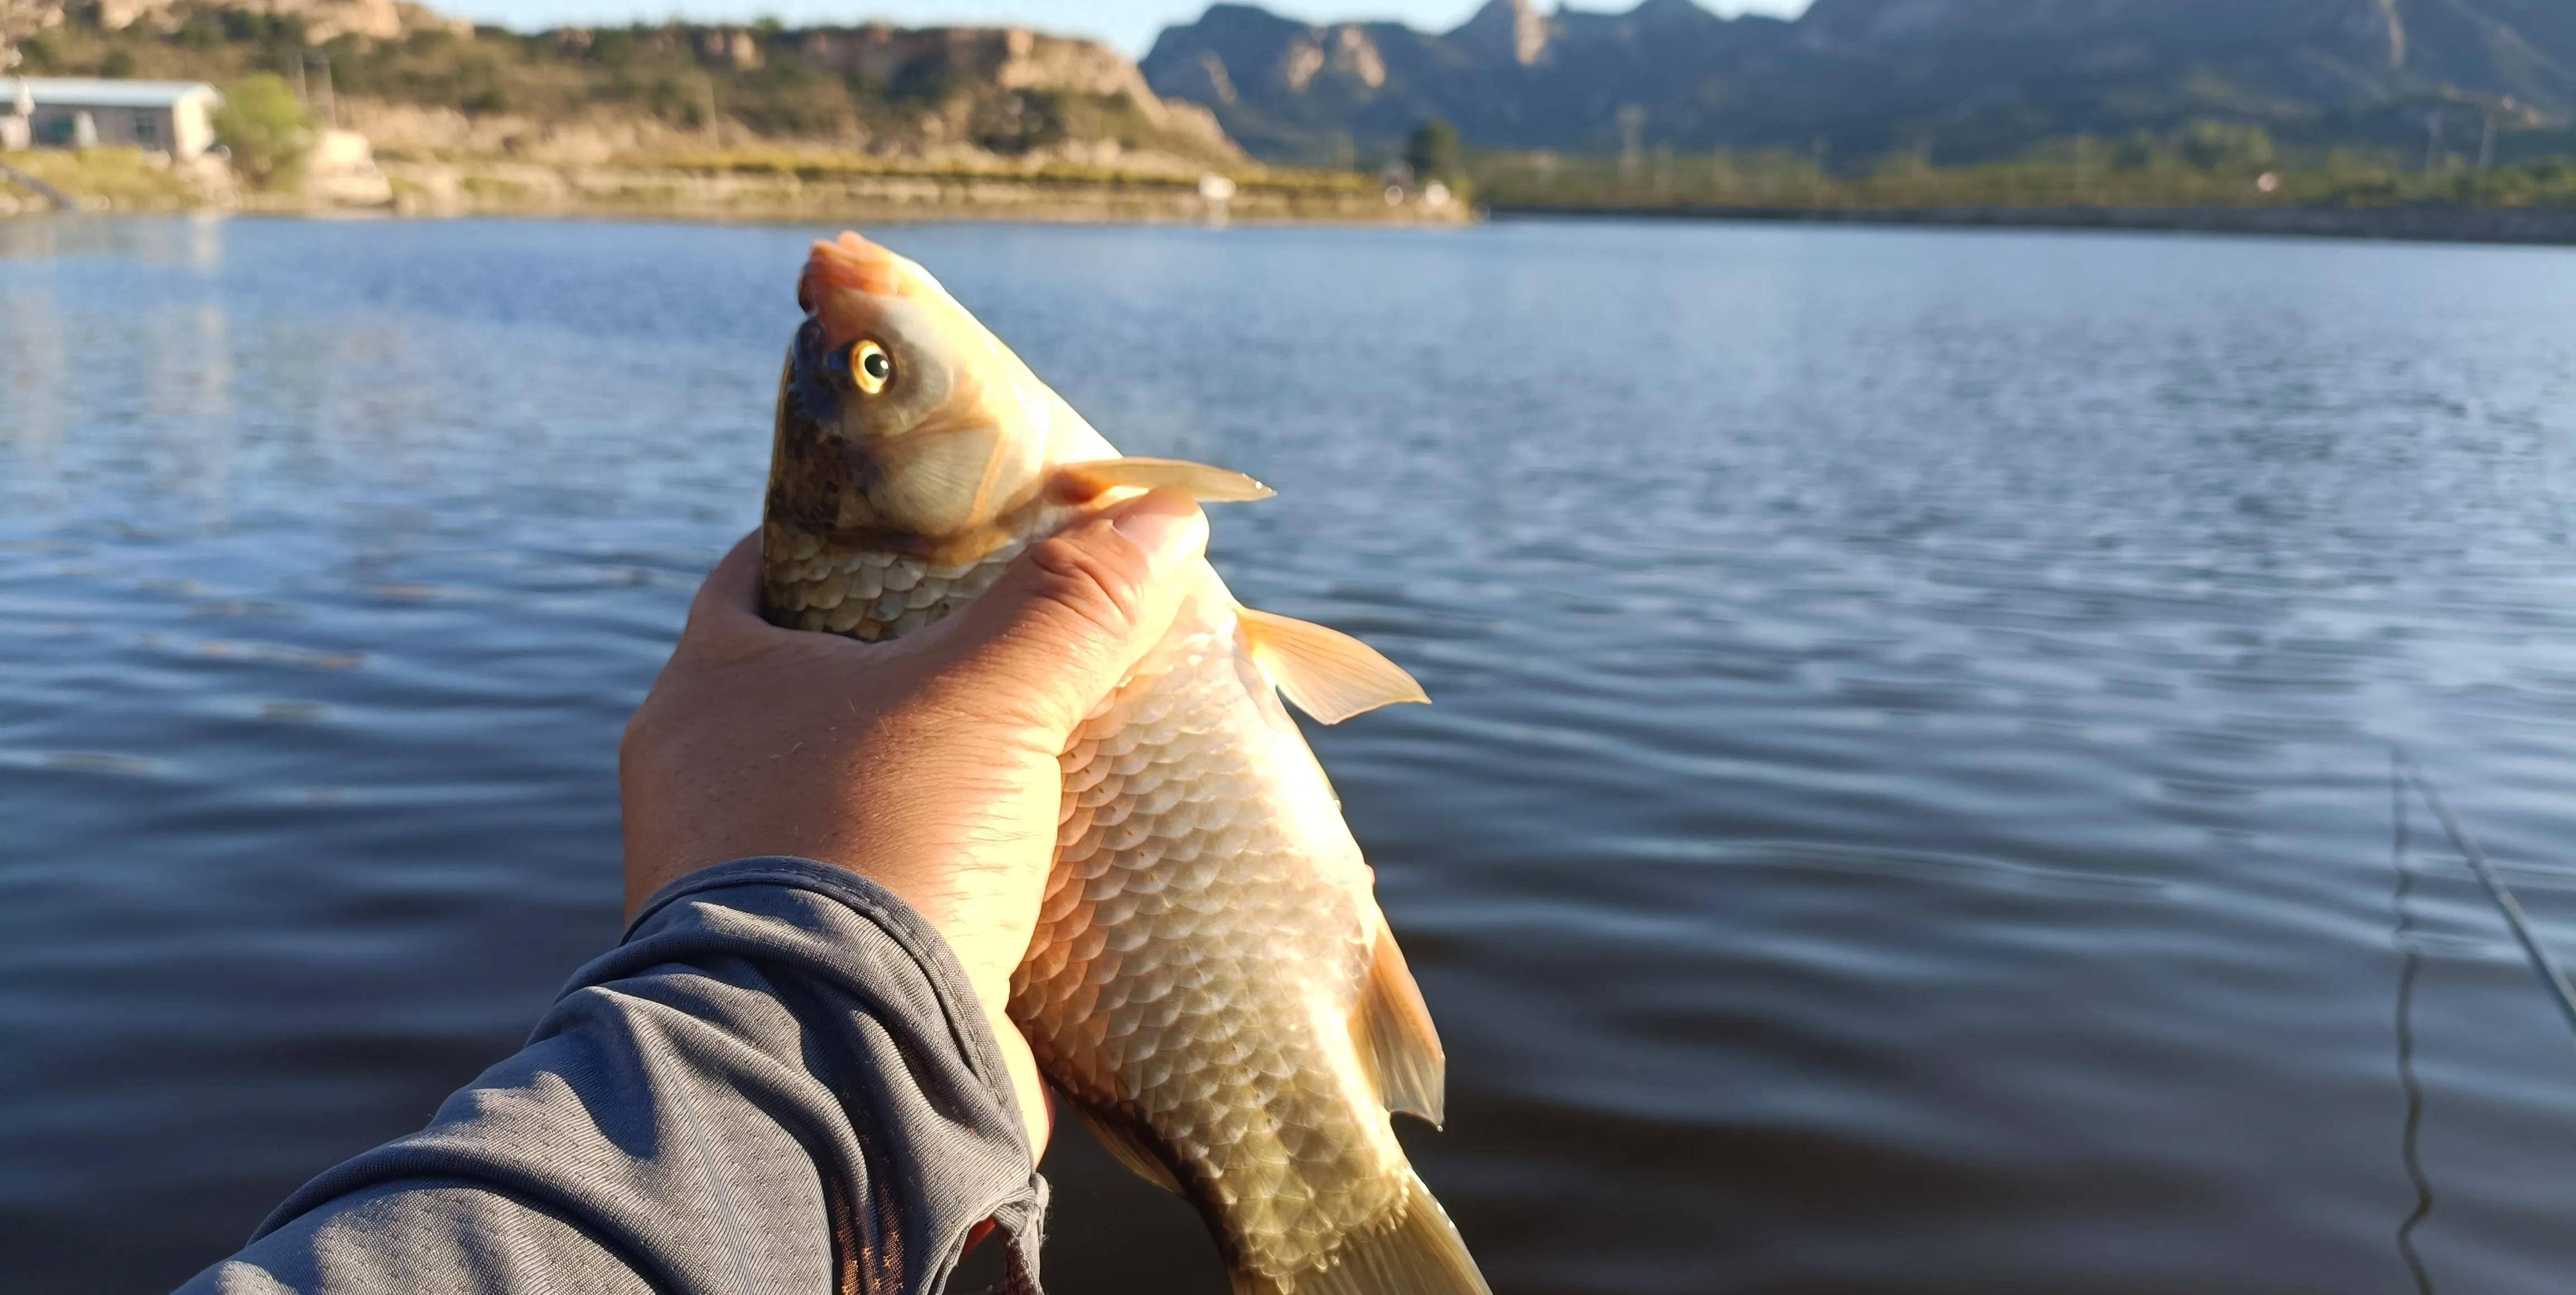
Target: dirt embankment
[[719, 191]]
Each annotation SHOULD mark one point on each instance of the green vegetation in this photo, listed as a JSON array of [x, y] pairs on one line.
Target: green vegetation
[[766, 101], [2207, 164], [115, 178], [821, 166], [1434, 153], [265, 126], [763, 85]]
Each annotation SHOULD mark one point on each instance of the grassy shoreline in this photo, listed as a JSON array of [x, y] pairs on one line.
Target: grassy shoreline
[[744, 185], [2527, 226]]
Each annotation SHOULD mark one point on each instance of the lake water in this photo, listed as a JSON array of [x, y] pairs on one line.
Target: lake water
[[1907, 808]]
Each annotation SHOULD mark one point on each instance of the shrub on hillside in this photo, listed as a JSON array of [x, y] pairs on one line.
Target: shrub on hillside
[[265, 126]]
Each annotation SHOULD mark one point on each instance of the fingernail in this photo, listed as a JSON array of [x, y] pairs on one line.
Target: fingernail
[[1167, 525]]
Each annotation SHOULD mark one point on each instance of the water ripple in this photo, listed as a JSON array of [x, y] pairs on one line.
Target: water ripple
[[1904, 807]]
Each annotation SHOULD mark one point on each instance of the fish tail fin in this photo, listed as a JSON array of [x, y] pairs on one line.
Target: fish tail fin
[[1418, 1252]]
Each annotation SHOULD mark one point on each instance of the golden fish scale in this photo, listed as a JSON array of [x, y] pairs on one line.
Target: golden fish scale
[[839, 589], [1203, 943]]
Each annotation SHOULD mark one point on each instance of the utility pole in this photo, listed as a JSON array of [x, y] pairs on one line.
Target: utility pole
[[1632, 138], [330, 110]]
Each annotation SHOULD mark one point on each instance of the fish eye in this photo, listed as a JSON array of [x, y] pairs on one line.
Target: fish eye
[[870, 367]]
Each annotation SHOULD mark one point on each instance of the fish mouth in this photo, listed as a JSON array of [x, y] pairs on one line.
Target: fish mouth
[[850, 263]]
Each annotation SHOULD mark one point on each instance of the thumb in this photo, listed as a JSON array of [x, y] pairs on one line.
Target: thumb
[[1077, 611]]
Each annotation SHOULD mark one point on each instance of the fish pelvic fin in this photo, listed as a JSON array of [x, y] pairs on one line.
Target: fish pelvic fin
[[1084, 482], [1393, 1030], [1415, 1251], [1130, 1151], [1329, 674]]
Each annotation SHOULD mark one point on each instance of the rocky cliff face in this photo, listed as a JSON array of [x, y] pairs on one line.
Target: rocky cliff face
[[420, 82], [1012, 60], [323, 20], [1964, 77], [1505, 31]]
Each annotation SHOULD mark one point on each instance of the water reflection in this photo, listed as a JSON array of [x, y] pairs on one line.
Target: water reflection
[[194, 241]]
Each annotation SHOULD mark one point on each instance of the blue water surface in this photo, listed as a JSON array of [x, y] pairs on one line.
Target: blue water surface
[[1906, 808]]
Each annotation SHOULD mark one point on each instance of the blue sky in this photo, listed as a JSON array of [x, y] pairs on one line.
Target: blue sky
[[1128, 24]]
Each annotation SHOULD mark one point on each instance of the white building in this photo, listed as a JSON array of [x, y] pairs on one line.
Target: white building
[[173, 117]]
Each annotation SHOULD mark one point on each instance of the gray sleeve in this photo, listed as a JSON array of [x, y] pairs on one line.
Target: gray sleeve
[[780, 1081]]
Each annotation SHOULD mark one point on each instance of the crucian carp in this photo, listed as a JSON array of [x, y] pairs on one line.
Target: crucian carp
[[1211, 984]]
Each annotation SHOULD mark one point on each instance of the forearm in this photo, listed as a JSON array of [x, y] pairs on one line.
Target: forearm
[[780, 1081]]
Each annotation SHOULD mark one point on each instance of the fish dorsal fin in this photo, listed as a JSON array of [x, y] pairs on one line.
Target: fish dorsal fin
[[1209, 485], [1394, 1033], [1329, 674], [1130, 1152]]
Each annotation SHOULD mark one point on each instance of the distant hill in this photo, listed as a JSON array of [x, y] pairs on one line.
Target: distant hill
[[422, 83], [1960, 80]]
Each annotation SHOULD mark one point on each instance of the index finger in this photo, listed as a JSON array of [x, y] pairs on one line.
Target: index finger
[[730, 597]]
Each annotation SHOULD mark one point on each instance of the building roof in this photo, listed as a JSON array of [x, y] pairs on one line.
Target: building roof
[[96, 92]]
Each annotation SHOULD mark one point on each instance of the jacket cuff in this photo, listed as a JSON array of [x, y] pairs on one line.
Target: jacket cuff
[[882, 909]]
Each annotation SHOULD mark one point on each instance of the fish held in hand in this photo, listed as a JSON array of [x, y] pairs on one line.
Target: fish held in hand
[[1211, 982]]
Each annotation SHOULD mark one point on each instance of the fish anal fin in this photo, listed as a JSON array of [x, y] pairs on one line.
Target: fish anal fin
[[1083, 482], [1329, 674], [1393, 1029], [1139, 1158], [1415, 1251]]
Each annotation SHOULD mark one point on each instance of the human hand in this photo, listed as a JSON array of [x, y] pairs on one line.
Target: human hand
[[928, 764]]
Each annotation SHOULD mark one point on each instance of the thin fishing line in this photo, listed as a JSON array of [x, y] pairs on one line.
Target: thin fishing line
[[2551, 974], [2410, 1141]]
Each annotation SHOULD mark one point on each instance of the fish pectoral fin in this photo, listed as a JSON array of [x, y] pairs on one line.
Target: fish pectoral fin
[[1083, 482], [1129, 1151], [1394, 1032], [1329, 674]]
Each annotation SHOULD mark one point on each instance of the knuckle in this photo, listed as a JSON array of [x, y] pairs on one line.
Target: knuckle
[[1088, 580], [637, 740]]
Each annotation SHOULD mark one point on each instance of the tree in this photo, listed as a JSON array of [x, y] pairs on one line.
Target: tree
[[2224, 146], [264, 125], [1434, 153]]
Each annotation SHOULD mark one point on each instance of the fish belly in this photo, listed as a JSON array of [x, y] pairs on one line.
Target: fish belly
[[1205, 939]]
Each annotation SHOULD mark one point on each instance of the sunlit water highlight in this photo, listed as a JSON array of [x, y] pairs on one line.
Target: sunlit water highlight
[[1906, 808]]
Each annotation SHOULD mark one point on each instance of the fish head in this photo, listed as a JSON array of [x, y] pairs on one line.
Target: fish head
[[900, 415]]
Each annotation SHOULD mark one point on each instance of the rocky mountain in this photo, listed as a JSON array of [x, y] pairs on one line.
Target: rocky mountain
[[1959, 79], [422, 83], [319, 20]]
